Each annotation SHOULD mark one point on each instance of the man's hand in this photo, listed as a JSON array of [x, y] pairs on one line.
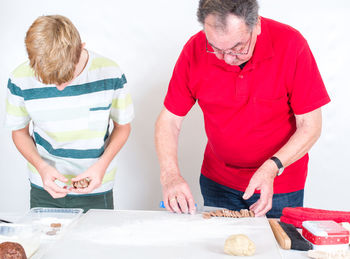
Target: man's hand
[[262, 180], [48, 175], [95, 173], [177, 195]]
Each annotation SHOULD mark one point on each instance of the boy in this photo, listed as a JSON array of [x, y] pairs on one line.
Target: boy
[[69, 94]]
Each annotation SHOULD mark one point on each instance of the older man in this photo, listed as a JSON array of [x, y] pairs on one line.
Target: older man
[[261, 93]]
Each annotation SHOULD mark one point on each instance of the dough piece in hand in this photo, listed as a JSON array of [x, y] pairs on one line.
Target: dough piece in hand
[[239, 245], [84, 183], [12, 250]]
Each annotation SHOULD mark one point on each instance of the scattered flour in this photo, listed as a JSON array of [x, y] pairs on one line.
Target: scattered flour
[[161, 232]]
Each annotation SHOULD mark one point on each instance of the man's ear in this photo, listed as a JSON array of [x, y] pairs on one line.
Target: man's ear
[[258, 26]]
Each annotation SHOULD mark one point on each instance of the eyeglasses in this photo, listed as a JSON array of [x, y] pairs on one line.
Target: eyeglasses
[[232, 51]]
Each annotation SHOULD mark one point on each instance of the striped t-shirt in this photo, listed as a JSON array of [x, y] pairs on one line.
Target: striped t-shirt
[[70, 127]]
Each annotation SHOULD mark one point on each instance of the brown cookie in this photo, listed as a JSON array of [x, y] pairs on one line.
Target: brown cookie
[[238, 214], [212, 213], [206, 215], [233, 214], [12, 250], [219, 213], [56, 225], [244, 213], [84, 183]]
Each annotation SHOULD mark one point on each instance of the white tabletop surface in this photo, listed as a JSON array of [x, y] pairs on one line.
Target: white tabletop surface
[[291, 254]]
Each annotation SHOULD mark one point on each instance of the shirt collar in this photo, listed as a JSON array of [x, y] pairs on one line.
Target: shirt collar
[[263, 48]]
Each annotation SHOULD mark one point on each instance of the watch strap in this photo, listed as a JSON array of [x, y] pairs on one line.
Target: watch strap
[[277, 162], [279, 165]]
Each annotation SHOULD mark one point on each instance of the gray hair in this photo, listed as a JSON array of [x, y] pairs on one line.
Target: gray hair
[[244, 9]]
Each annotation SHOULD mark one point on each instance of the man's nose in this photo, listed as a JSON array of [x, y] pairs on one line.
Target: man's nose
[[229, 58]]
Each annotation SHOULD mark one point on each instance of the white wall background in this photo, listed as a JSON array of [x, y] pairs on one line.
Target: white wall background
[[145, 38]]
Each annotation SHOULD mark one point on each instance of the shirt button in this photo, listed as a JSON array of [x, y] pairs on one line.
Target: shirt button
[[240, 76]]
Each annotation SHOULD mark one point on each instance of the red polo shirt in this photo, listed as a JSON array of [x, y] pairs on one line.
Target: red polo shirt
[[249, 113]]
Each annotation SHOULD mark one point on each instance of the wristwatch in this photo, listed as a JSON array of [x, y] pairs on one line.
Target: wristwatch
[[279, 165]]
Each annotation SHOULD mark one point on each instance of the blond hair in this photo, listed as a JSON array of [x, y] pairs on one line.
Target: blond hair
[[54, 47]]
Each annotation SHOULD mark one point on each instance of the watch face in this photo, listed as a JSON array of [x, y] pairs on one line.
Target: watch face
[[280, 171]]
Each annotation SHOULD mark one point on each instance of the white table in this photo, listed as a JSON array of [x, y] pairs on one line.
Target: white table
[[76, 238]]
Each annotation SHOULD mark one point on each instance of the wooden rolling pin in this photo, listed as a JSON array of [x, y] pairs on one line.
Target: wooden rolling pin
[[280, 235], [288, 236]]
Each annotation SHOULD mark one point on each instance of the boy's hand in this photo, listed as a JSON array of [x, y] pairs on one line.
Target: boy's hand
[[48, 175], [95, 174]]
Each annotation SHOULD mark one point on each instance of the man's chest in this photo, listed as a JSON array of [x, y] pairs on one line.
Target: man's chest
[[217, 89]]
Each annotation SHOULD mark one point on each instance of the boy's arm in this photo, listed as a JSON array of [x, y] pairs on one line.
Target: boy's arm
[[96, 172], [26, 146]]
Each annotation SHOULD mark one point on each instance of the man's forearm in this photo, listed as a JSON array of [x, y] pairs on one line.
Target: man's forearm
[[166, 138], [307, 133]]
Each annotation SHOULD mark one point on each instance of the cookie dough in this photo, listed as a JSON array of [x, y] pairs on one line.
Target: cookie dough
[[239, 245], [12, 250], [84, 183], [229, 214]]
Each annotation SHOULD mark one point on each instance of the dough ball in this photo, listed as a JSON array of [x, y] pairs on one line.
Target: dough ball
[[239, 245], [11, 250]]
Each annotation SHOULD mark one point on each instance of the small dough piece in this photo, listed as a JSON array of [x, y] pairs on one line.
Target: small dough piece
[[56, 225], [206, 215], [212, 213], [226, 213], [239, 245], [238, 214], [51, 232], [242, 211], [219, 213]]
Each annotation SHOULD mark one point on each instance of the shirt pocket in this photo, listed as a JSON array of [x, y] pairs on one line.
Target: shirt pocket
[[99, 115], [270, 113]]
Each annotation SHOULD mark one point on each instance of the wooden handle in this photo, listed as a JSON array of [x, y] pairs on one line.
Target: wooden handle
[[280, 235]]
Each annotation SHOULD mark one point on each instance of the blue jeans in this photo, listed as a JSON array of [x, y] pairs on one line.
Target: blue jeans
[[217, 195]]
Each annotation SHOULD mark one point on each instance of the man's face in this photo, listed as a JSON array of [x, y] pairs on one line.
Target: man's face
[[235, 38]]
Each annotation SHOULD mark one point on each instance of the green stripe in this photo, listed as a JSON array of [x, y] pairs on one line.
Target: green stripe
[[19, 111], [101, 62], [14, 89], [69, 153], [100, 108], [23, 70], [74, 90], [67, 136], [122, 103]]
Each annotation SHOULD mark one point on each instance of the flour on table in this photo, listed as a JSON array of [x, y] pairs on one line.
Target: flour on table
[[161, 232]]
